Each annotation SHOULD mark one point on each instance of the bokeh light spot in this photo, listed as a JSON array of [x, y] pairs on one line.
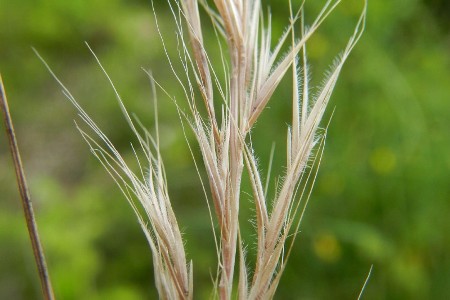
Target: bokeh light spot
[[383, 160], [327, 247]]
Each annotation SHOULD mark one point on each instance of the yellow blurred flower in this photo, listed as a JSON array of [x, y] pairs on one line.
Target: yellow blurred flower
[[327, 247], [383, 160]]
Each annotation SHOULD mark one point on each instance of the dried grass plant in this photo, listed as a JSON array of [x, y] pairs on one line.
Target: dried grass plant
[[253, 70]]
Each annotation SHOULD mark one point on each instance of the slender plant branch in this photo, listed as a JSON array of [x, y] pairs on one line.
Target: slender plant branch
[[365, 283], [38, 251]]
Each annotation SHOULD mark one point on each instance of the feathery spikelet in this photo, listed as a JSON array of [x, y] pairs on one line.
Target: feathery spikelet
[[253, 70], [147, 194], [254, 73]]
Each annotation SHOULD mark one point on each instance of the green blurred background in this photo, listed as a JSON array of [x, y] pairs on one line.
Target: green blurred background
[[383, 190]]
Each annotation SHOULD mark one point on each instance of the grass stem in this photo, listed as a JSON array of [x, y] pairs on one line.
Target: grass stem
[[38, 251]]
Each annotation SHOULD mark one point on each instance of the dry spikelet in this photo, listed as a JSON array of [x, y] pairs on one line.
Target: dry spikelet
[[147, 194], [253, 70], [254, 73]]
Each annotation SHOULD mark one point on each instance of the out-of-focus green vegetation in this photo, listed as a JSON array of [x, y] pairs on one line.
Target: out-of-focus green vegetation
[[383, 191]]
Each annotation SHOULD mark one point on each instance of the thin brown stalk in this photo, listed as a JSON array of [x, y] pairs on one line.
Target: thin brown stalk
[[38, 251]]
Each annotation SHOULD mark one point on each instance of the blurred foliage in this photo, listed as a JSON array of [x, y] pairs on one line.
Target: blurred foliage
[[381, 197]]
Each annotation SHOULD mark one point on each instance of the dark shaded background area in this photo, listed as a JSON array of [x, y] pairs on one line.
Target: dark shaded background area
[[382, 193]]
